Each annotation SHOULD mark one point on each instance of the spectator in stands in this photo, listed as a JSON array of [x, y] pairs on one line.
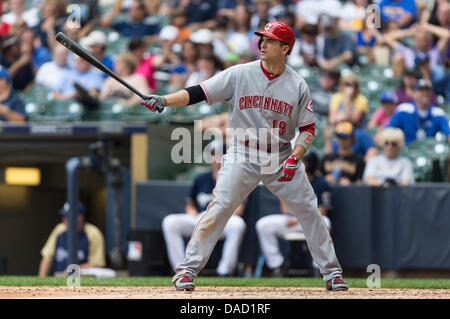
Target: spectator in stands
[[333, 47], [239, 38], [200, 13], [348, 104], [402, 12], [306, 46], [345, 166], [147, 63], [404, 56], [82, 76], [383, 114], [389, 168], [437, 76], [309, 11], [420, 119], [207, 66], [363, 144], [125, 66], [19, 14], [181, 72], [53, 18], [269, 227], [41, 54], [352, 16], [136, 26], [178, 19], [261, 15], [96, 43], [367, 42], [53, 71], [405, 90], [167, 38], [85, 13], [178, 226], [204, 40], [17, 58], [321, 94], [12, 108], [91, 245]]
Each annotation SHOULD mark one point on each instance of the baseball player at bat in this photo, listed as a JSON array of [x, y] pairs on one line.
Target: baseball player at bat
[[263, 94]]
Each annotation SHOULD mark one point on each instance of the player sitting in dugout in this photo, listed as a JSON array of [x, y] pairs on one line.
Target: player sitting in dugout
[[91, 245]]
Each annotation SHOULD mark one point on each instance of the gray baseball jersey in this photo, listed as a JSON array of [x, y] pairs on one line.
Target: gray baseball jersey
[[283, 103]]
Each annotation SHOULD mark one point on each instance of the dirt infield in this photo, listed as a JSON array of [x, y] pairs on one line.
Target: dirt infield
[[217, 293]]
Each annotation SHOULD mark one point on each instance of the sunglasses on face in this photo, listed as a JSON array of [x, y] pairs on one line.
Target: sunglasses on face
[[394, 144], [352, 84]]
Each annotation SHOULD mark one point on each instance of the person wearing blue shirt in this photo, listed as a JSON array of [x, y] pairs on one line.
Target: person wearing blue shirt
[[12, 108], [402, 12], [83, 75], [136, 26], [420, 119], [96, 43], [176, 227]]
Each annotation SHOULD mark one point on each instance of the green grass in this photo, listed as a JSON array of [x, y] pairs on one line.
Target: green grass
[[216, 281]]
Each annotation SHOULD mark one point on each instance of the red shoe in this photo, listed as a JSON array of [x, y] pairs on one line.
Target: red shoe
[[336, 284]]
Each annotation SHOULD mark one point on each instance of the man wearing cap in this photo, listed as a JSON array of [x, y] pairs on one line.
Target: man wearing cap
[[12, 108], [91, 245], [268, 103], [420, 119], [96, 42], [333, 47], [382, 115], [345, 166]]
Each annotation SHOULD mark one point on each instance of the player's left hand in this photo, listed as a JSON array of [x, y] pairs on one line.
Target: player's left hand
[[289, 168], [154, 103]]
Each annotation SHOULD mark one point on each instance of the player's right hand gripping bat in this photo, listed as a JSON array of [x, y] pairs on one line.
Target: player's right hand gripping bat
[[87, 56]]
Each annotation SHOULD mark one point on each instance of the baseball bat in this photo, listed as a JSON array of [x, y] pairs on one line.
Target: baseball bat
[[87, 56]]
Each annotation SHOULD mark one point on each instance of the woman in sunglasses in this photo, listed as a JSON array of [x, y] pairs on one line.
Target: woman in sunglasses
[[348, 104], [389, 168]]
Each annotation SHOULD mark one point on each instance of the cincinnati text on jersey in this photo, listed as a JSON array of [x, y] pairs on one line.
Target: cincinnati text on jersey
[[266, 102]]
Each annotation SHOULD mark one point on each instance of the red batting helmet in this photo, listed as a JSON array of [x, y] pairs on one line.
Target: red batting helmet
[[279, 31]]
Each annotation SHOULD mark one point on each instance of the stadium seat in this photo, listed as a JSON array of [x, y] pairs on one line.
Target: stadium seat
[[60, 111]]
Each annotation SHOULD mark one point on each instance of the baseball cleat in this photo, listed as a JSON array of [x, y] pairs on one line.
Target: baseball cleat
[[336, 284], [185, 282]]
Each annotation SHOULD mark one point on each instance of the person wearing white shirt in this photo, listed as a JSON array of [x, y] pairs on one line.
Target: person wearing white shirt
[[31, 16], [389, 168], [309, 11], [52, 72]]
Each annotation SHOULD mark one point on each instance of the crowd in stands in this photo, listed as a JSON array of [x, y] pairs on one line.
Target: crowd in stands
[[191, 40]]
